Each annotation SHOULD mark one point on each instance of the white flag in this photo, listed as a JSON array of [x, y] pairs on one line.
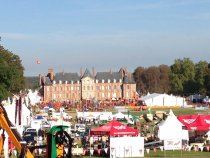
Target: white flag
[[91, 151], [106, 149]]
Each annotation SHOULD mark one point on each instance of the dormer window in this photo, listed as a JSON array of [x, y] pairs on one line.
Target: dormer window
[[120, 80], [114, 80], [54, 82], [96, 81], [102, 81], [72, 82], [108, 80], [66, 82], [60, 82], [77, 82]]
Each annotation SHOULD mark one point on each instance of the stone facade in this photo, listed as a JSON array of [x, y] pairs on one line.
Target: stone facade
[[86, 86]]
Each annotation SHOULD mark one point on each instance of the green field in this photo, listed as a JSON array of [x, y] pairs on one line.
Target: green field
[[174, 154], [177, 111], [178, 154]]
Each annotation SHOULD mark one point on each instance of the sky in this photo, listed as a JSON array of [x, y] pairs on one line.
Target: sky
[[67, 35]]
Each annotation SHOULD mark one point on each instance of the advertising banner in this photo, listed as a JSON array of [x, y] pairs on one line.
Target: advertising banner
[[126, 147], [175, 144]]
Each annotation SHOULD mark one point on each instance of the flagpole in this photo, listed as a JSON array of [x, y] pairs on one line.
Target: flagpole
[[90, 149], [90, 142]]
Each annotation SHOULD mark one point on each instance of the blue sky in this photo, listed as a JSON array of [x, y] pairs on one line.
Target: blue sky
[[67, 35]]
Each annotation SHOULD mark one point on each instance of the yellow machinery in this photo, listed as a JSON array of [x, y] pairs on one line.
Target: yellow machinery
[[12, 133], [57, 138]]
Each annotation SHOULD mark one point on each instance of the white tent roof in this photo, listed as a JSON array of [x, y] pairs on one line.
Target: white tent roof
[[119, 115], [25, 116], [157, 99], [171, 120], [171, 128], [150, 96], [105, 117], [34, 97]]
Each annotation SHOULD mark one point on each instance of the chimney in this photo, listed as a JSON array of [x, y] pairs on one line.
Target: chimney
[[110, 71], [50, 74]]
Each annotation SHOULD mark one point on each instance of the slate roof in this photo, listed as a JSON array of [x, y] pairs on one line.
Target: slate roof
[[66, 77], [108, 76], [129, 79], [125, 79], [87, 74], [61, 76]]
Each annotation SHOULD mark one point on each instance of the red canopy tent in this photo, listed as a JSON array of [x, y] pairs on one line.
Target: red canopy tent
[[195, 122], [114, 128]]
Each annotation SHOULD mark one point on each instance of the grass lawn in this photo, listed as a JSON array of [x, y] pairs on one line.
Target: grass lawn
[[178, 154], [174, 154], [177, 111]]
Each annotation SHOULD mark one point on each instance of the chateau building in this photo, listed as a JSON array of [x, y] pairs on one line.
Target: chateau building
[[86, 86]]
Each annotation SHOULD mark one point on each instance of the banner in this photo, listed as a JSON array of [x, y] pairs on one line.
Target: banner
[[175, 144], [126, 147]]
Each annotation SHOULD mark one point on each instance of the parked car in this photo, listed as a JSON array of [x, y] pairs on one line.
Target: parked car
[[30, 136], [30, 130]]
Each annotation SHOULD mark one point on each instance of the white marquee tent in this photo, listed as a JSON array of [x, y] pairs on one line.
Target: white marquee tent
[[171, 128], [32, 98], [120, 115], [157, 99], [25, 116]]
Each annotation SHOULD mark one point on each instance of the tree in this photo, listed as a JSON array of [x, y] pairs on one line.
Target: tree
[[32, 82], [201, 70], [176, 86], [182, 76], [207, 80], [11, 74], [152, 79], [138, 78], [164, 78]]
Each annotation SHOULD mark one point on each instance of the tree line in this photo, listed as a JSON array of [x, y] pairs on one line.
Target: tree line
[[183, 78], [11, 74]]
